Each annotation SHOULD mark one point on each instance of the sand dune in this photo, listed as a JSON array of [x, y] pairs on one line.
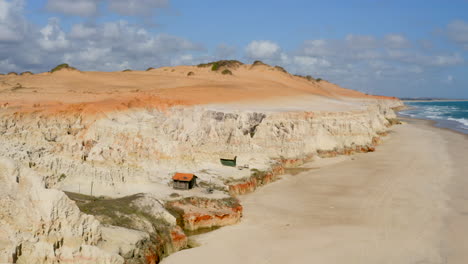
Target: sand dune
[[72, 90]]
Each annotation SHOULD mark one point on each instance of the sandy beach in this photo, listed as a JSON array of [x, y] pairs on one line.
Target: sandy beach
[[403, 203]]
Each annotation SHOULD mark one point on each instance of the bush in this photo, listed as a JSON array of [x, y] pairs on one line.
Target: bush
[[150, 68], [226, 71], [12, 73], [61, 66], [127, 70], [281, 69], [257, 62], [318, 79], [215, 66], [221, 63], [26, 73], [190, 73]]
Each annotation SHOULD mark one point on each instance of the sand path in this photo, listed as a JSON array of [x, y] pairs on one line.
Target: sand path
[[384, 207]]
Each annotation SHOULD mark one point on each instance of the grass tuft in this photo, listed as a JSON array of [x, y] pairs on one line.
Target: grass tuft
[[61, 66], [226, 71]]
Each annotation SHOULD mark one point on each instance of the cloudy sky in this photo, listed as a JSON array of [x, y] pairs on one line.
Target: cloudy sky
[[399, 47]]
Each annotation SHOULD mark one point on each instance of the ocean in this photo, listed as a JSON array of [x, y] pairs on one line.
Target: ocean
[[452, 115]]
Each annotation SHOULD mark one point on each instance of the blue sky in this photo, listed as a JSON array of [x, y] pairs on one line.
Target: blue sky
[[400, 48]]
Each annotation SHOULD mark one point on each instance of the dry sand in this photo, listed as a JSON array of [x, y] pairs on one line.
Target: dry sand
[[402, 204], [71, 91]]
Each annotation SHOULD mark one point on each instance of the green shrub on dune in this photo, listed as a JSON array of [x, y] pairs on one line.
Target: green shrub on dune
[[62, 66], [215, 66], [226, 71]]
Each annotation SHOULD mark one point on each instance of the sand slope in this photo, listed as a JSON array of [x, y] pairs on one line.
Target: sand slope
[[382, 207], [72, 90]]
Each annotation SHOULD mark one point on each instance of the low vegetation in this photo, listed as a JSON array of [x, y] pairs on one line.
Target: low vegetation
[[26, 73], [281, 69], [215, 65], [190, 73], [150, 68], [62, 177], [12, 73], [226, 72], [127, 70], [394, 121], [257, 63], [62, 66], [308, 77], [119, 211]]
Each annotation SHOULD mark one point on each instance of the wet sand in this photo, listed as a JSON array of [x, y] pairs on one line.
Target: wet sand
[[404, 203]]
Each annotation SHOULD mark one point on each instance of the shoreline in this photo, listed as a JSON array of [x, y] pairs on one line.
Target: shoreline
[[438, 238], [442, 100]]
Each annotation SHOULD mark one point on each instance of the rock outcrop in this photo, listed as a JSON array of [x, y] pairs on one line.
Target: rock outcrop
[[145, 145], [39, 225], [121, 154]]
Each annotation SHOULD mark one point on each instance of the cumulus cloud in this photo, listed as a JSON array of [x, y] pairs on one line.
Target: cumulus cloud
[[81, 31], [12, 25], [396, 41], [88, 8], [106, 46], [458, 32], [262, 49], [74, 7], [52, 36], [136, 7]]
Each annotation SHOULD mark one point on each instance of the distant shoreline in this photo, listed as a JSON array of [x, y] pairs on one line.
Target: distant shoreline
[[435, 100]]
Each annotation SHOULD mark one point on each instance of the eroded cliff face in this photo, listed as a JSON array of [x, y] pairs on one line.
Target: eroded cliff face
[[122, 154], [146, 145], [39, 225]]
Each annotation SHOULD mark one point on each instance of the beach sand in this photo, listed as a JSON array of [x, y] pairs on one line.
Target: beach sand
[[404, 203]]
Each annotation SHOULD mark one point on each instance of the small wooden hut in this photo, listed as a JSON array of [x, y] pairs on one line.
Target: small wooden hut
[[184, 181], [232, 162]]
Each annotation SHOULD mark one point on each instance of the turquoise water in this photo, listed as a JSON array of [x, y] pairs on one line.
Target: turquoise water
[[453, 115]]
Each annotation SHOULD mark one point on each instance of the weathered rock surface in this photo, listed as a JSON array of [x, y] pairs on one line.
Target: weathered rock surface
[[39, 225], [124, 153], [146, 145], [195, 213]]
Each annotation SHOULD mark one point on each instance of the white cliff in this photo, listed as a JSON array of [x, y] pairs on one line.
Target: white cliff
[[39, 225], [123, 152]]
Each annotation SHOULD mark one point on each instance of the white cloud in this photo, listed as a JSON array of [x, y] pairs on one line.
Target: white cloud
[[74, 7], [458, 32], [396, 41], [446, 60], [86, 8], [261, 49], [136, 7], [360, 41], [53, 38], [80, 31], [311, 61], [12, 24]]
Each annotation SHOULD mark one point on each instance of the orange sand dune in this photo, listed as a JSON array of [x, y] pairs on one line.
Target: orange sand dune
[[94, 92]]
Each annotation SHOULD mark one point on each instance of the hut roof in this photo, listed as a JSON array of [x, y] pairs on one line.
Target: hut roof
[[183, 176], [229, 157]]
